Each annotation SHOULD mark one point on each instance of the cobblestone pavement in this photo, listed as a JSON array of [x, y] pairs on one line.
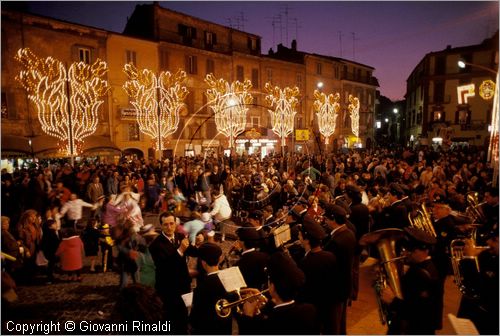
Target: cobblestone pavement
[[93, 298]]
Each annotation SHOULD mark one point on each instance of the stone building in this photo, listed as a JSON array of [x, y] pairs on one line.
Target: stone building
[[160, 39], [448, 105]]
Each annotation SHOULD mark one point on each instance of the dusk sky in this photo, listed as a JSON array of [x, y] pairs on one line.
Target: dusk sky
[[391, 36]]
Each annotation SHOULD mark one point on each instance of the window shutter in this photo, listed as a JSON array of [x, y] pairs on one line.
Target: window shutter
[[195, 64], [193, 30], [186, 65], [249, 43], [214, 38]]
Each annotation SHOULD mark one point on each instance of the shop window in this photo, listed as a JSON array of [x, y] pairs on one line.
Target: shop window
[[131, 57]]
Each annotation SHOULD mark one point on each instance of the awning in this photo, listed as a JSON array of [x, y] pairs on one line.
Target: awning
[[47, 146], [13, 145]]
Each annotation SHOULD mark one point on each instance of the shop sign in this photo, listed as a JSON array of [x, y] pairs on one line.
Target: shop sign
[[302, 134], [128, 114], [210, 143]]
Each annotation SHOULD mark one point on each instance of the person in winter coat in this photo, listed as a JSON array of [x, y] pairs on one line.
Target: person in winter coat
[[70, 252], [50, 242], [90, 237]]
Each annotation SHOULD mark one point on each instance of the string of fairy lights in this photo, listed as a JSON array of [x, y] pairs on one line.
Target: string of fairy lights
[[68, 99], [327, 107], [282, 104], [158, 101], [229, 102]]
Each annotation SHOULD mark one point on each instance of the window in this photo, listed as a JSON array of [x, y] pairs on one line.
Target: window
[[299, 80], [191, 65], [84, 55], [186, 31], [359, 74], [336, 71], [437, 115], [318, 68], [131, 57], [298, 122], [133, 133], [240, 73], [269, 73], [255, 78], [210, 66], [419, 116], [345, 71], [210, 38], [463, 116], [438, 92], [163, 60], [440, 65], [253, 44], [255, 122]]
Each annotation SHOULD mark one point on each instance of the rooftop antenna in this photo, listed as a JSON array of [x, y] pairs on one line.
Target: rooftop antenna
[[286, 11], [340, 41], [229, 22], [354, 39], [241, 19], [297, 26]]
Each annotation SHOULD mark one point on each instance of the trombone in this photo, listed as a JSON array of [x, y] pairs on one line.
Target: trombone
[[224, 308]]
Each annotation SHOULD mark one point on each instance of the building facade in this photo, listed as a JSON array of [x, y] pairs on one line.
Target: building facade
[[449, 105], [159, 39]]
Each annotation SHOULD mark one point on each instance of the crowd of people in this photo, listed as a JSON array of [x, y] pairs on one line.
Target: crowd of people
[[330, 201]]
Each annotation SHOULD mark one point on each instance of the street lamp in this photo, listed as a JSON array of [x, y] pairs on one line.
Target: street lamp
[[158, 101], [67, 99], [319, 85], [229, 103], [395, 110], [462, 64]]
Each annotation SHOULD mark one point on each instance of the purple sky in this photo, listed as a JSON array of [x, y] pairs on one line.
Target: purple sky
[[391, 36]]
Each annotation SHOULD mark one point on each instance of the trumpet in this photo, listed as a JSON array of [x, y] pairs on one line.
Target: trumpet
[[224, 308]]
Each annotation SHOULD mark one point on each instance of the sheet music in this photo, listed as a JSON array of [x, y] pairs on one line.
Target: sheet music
[[188, 299], [462, 326], [231, 279], [282, 234]]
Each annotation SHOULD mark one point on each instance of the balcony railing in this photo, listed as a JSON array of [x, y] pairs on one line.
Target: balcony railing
[[361, 79]]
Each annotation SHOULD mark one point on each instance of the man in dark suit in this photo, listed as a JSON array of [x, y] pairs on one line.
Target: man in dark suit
[[168, 251], [396, 214], [204, 319], [268, 219], [321, 271], [420, 311], [342, 243], [360, 218], [252, 263], [287, 316]]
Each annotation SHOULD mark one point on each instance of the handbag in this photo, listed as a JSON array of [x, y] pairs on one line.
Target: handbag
[[40, 259]]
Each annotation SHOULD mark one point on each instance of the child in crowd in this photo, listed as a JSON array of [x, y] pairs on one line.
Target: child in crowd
[[70, 252]]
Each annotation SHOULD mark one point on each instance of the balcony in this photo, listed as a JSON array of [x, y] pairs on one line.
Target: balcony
[[360, 79]]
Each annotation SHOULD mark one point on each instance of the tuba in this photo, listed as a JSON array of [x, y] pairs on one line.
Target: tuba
[[422, 221], [465, 264], [390, 268], [474, 208]]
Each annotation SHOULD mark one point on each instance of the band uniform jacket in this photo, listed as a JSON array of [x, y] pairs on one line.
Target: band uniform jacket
[[342, 243], [252, 266], [445, 233], [320, 289], [422, 308], [292, 319], [204, 319], [394, 216]]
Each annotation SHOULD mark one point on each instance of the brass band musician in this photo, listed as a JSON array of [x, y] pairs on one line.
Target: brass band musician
[[420, 311]]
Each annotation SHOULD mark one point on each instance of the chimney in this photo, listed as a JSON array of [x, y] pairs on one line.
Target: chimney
[[294, 45], [448, 47], [270, 52]]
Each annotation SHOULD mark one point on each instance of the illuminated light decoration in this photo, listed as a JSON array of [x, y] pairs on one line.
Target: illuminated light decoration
[[487, 89], [229, 103], [493, 148], [328, 108], [158, 101], [284, 103], [464, 92], [67, 100], [354, 113]]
